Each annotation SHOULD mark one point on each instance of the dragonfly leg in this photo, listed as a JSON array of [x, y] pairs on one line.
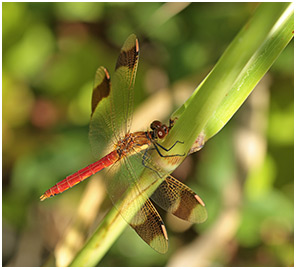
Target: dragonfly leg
[[144, 159], [156, 145], [181, 142]]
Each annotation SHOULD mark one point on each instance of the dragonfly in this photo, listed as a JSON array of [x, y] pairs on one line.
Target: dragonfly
[[122, 152]]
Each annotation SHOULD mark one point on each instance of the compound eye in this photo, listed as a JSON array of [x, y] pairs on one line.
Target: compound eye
[[155, 125], [165, 129], [161, 133]]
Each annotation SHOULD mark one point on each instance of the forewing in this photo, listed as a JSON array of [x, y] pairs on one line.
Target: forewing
[[178, 199], [112, 106], [123, 84], [111, 115], [102, 88], [101, 134]]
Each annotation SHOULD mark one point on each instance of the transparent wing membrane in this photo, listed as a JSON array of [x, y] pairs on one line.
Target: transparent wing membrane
[[134, 177], [129, 193], [149, 225], [101, 135], [123, 84], [112, 103], [178, 199]]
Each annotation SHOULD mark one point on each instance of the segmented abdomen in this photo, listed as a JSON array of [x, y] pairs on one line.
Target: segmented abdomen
[[81, 175]]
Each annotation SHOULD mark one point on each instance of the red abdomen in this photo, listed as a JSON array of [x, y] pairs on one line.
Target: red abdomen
[[81, 175]]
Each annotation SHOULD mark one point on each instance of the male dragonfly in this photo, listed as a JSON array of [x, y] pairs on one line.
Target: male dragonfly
[[111, 117]]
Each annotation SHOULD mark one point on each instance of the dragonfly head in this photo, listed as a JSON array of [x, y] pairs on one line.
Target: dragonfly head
[[159, 130]]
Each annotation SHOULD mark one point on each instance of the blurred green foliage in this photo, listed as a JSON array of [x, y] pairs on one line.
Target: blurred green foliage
[[50, 52]]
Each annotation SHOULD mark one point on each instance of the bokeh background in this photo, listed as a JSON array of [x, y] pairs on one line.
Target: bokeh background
[[244, 174]]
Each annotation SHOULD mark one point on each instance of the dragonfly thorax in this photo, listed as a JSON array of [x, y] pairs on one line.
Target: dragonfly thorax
[[132, 143]]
